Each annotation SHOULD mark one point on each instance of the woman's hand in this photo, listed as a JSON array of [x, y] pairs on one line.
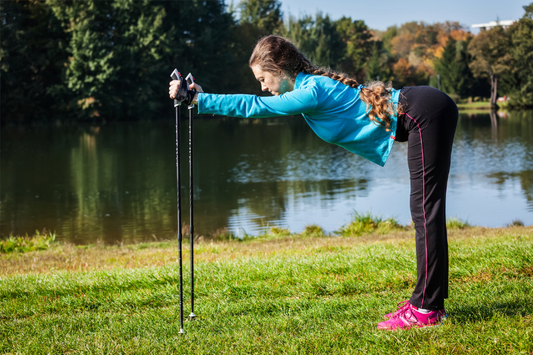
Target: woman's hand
[[198, 89], [174, 86]]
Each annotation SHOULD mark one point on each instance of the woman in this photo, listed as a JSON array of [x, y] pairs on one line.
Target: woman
[[365, 121]]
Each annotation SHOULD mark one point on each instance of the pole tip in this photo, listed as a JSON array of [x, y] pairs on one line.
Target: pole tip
[[182, 331], [192, 316]]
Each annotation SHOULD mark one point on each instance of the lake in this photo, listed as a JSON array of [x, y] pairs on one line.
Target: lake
[[116, 182]]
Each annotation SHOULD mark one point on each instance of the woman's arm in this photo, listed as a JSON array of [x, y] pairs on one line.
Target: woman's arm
[[291, 103]]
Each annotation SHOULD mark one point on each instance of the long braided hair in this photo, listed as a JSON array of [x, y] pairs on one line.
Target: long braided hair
[[278, 55]]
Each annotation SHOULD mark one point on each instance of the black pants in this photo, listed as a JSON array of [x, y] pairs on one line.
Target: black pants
[[428, 125]]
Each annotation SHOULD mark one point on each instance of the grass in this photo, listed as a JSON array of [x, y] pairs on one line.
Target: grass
[[306, 293], [475, 105], [481, 105], [39, 241]]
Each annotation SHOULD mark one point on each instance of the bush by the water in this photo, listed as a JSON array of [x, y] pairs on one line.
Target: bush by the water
[[39, 241], [366, 224], [456, 223]]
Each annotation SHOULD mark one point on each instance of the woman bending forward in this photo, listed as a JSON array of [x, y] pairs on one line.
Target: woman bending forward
[[365, 121]]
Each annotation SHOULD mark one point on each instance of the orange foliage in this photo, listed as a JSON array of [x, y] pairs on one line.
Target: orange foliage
[[460, 35], [402, 68], [402, 45], [416, 45]]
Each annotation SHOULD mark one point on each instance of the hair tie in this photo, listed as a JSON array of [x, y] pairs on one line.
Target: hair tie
[[360, 87]]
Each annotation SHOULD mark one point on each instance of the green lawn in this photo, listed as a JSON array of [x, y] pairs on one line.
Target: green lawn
[[473, 105], [480, 107], [278, 294]]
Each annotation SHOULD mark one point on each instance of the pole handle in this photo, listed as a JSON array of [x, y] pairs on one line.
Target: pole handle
[[175, 75]]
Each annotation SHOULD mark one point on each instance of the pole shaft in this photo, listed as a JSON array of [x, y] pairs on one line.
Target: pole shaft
[[180, 236], [191, 200]]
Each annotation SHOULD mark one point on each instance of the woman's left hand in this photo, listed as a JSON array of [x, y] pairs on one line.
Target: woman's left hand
[[198, 89]]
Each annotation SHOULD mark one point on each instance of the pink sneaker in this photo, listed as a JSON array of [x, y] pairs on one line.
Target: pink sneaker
[[401, 306], [408, 316]]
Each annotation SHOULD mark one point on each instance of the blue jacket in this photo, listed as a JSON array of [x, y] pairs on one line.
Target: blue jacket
[[333, 110]]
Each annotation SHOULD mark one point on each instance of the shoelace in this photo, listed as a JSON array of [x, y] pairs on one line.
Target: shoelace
[[401, 306], [406, 315]]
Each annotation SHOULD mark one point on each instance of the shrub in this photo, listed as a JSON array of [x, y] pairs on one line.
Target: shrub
[[26, 244], [456, 223], [366, 223], [313, 230], [223, 234], [280, 231], [516, 223]]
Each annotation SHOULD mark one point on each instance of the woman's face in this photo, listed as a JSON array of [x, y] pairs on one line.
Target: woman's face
[[275, 84]]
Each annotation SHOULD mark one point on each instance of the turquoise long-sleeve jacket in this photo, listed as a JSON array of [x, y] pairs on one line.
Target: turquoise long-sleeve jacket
[[333, 110]]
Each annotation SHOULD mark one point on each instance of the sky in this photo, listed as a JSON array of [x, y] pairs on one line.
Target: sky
[[380, 14]]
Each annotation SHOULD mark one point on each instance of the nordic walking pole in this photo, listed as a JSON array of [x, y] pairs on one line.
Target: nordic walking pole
[[176, 76], [190, 80]]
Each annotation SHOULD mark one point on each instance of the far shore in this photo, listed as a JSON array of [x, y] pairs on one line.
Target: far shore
[[482, 105]]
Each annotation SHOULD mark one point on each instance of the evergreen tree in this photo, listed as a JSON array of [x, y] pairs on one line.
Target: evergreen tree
[[377, 66], [357, 37], [123, 51], [257, 18], [266, 15], [116, 49], [452, 68], [387, 37], [318, 38], [518, 82], [202, 41], [32, 60]]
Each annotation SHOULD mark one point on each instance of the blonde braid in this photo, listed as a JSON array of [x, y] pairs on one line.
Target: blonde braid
[[377, 96]]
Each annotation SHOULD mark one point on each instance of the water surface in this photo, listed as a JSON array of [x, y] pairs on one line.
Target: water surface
[[117, 181]]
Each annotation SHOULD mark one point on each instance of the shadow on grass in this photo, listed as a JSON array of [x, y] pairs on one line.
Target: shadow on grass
[[489, 309]]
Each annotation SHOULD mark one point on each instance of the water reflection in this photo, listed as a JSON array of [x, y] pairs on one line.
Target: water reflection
[[117, 182]]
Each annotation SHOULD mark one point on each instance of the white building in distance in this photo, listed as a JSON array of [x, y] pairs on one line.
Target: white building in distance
[[486, 26]]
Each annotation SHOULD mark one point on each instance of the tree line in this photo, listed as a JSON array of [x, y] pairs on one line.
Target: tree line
[[111, 60]]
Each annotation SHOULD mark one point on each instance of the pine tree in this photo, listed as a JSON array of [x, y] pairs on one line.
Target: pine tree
[[32, 56], [452, 68], [377, 67], [266, 15]]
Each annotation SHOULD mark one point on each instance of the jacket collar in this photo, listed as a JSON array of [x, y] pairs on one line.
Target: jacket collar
[[299, 80]]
